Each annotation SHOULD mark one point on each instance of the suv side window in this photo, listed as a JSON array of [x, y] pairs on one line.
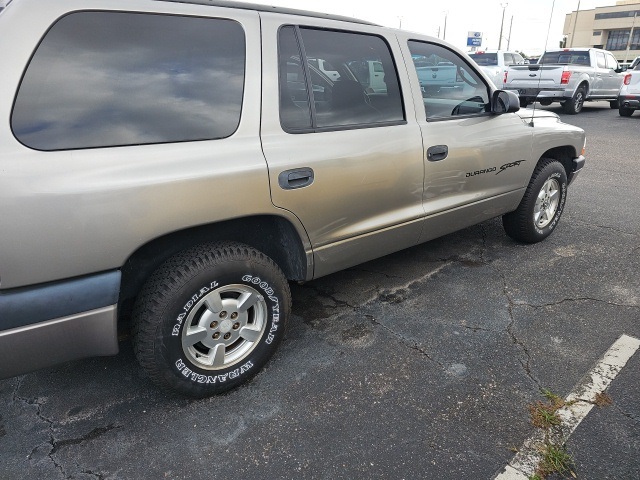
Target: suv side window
[[103, 79], [450, 88], [361, 90]]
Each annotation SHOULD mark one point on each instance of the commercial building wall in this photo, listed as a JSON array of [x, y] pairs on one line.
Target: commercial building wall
[[613, 28]]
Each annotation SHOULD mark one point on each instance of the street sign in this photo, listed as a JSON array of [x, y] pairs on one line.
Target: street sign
[[474, 39]]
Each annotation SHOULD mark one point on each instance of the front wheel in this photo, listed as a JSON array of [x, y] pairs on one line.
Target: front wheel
[[542, 204], [210, 318], [574, 105]]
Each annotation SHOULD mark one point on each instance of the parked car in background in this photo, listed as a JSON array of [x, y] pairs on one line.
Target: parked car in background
[[629, 96], [496, 62], [634, 63], [570, 76]]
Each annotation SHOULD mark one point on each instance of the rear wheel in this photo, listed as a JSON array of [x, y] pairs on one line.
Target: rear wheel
[[541, 207], [574, 105], [523, 103], [209, 318], [625, 112], [614, 104]]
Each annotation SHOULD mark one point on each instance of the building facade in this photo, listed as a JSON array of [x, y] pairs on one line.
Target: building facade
[[615, 28]]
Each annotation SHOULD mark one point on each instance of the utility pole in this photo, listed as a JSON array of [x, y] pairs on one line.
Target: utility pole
[[575, 22], [633, 27], [444, 34], [510, 27], [504, 7]]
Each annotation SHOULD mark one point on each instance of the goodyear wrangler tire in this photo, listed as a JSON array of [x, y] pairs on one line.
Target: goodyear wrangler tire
[[541, 206], [209, 318]]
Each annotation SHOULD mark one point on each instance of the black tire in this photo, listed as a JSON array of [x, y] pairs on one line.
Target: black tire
[[574, 104], [613, 104], [523, 103], [527, 223], [545, 103], [223, 303], [625, 112]]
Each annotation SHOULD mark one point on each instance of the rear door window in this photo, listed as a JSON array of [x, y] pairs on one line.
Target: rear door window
[[350, 80], [101, 79]]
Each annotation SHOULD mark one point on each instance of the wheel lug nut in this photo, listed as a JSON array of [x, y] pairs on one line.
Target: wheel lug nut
[[227, 336], [234, 315], [223, 314], [236, 325], [215, 336], [214, 325]]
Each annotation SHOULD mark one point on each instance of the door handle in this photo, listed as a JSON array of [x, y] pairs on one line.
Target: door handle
[[296, 178], [437, 152]]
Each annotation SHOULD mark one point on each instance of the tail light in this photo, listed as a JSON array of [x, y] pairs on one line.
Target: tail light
[[506, 74], [627, 79], [566, 75]]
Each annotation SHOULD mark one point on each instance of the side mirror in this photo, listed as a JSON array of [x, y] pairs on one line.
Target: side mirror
[[504, 101]]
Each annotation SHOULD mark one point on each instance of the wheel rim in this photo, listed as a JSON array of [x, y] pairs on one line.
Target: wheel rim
[[547, 203], [224, 327], [579, 101]]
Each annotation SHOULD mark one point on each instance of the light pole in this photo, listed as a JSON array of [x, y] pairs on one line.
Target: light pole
[[575, 22], [510, 28], [633, 27], [504, 7], [444, 33]]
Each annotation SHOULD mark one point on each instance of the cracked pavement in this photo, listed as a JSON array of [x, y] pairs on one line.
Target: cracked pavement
[[417, 365]]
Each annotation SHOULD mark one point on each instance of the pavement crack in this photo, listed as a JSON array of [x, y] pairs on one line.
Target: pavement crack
[[577, 299], [526, 365], [336, 301], [631, 416], [93, 434], [386, 275], [604, 227], [405, 341]]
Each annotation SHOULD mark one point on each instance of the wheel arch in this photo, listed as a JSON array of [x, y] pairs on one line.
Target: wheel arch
[[564, 154], [275, 236]]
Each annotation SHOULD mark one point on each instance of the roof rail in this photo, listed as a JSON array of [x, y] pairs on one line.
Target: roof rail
[[267, 8]]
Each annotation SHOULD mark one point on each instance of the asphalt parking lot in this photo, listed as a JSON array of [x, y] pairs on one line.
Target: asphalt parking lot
[[417, 365]]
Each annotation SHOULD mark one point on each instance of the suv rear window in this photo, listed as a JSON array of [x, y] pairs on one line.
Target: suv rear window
[[101, 79]]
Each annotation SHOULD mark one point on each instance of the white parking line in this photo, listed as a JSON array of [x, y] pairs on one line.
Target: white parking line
[[525, 462]]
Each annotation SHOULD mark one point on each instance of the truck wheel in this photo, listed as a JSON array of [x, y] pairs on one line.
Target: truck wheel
[[625, 112], [523, 103], [574, 104], [542, 204], [209, 318], [613, 104]]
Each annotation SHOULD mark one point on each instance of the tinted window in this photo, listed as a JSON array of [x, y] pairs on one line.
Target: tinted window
[[360, 89], [106, 79], [485, 59], [566, 58], [450, 87]]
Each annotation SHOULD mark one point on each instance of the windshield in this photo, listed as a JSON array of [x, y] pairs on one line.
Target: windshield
[[566, 58], [485, 59]]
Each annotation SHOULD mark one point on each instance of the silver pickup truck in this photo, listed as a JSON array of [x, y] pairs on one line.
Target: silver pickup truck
[[570, 76]]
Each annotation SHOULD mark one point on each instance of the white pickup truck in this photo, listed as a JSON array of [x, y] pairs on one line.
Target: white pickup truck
[[629, 96], [570, 76], [495, 63]]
